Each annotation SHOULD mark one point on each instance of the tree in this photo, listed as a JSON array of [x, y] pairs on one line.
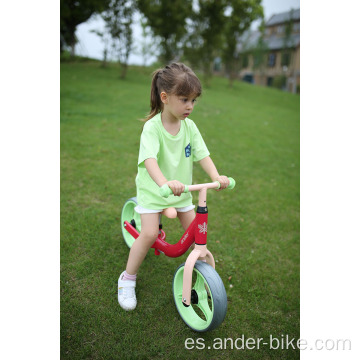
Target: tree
[[118, 20], [205, 35], [287, 41], [73, 13], [240, 15], [286, 54], [167, 19], [260, 51], [148, 45], [106, 39]]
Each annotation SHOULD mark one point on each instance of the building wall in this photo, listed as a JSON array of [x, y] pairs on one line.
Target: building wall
[[264, 74]]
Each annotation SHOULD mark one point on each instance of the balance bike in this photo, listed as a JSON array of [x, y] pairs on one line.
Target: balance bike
[[198, 290]]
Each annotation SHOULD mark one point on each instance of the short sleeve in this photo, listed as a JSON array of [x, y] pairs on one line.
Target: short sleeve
[[199, 148], [149, 143]]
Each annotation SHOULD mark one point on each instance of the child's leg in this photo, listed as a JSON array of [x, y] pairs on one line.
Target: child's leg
[[148, 235], [186, 218], [138, 251]]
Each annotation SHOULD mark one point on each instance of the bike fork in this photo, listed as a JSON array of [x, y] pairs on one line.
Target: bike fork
[[200, 251]]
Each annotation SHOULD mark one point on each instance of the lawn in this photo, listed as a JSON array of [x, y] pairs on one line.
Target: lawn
[[253, 135]]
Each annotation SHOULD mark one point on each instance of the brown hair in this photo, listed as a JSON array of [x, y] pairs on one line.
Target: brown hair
[[174, 79]]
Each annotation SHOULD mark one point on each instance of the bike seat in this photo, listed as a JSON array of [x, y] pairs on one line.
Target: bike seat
[[170, 212]]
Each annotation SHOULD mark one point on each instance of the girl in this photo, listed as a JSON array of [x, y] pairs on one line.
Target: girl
[[169, 144]]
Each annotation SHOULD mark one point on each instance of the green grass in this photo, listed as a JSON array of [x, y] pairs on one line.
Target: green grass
[[253, 135]]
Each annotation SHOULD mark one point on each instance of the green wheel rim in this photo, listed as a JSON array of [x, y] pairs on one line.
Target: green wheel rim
[[197, 316], [128, 214]]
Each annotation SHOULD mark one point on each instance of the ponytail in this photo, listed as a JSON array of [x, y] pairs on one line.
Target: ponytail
[[155, 101]]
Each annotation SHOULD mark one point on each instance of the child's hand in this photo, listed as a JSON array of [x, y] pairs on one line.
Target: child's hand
[[224, 182], [176, 186]]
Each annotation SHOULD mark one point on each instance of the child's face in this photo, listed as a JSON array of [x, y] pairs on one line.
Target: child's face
[[180, 106]]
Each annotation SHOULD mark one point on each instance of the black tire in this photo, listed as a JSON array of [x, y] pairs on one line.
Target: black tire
[[129, 214], [208, 290]]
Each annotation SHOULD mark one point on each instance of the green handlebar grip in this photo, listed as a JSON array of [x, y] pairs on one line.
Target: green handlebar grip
[[165, 191], [232, 183]]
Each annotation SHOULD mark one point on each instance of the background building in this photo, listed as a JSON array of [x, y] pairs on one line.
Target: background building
[[271, 56]]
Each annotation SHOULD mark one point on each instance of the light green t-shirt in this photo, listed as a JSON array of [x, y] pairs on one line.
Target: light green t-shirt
[[175, 156]]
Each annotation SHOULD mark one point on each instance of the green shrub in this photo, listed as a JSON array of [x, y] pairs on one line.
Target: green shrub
[[279, 82]]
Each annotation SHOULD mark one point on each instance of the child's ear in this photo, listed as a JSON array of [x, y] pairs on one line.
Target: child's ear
[[164, 97]]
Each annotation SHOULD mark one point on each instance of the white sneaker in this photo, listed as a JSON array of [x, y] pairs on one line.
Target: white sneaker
[[126, 293]]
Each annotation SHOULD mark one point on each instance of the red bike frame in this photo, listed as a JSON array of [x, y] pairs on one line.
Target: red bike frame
[[196, 232], [189, 237]]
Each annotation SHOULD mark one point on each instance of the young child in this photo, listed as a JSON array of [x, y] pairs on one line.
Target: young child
[[170, 143]]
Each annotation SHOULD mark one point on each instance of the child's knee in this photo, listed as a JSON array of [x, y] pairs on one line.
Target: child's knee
[[150, 236]]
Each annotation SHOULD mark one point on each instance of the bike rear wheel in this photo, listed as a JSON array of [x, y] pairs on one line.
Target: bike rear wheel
[[208, 298], [129, 214]]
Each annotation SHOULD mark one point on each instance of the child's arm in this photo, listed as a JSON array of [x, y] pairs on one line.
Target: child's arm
[[209, 167], [155, 173]]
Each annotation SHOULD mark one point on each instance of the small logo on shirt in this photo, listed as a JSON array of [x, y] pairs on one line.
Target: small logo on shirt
[[188, 150]]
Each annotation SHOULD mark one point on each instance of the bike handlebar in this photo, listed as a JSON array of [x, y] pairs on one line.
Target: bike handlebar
[[165, 190]]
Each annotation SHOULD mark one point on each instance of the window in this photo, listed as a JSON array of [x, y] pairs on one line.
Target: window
[[296, 27], [285, 59], [280, 29], [271, 60]]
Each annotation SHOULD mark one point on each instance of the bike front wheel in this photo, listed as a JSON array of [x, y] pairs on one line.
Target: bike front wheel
[[208, 298], [129, 214]]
